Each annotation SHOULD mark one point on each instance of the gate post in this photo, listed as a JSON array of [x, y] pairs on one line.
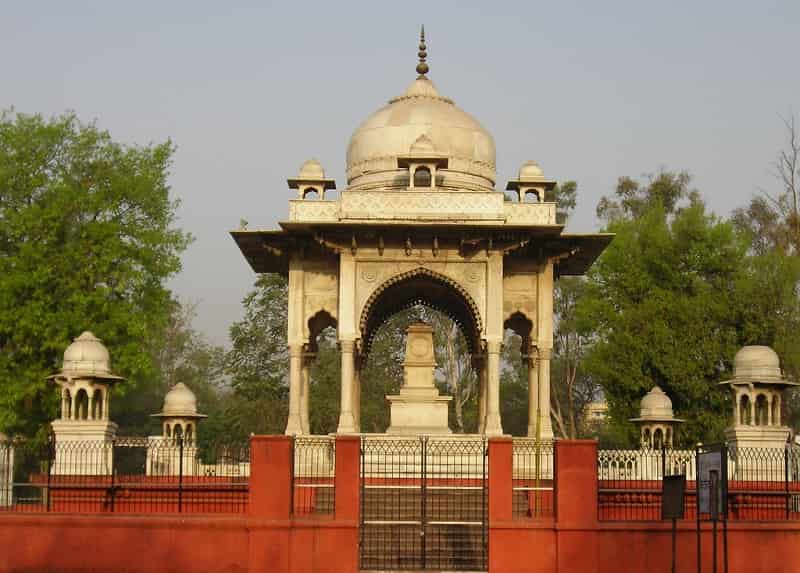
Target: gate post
[[271, 477], [348, 457], [576, 504], [501, 468]]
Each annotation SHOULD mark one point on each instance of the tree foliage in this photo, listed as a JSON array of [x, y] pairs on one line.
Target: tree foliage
[[87, 241]]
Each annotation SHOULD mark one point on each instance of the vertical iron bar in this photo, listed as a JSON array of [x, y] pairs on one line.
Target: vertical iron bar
[[361, 504], [786, 477], [485, 528], [180, 474], [50, 456], [423, 492], [697, 508], [113, 489]]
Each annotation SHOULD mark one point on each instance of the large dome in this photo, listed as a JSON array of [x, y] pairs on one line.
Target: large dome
[[391, 131]]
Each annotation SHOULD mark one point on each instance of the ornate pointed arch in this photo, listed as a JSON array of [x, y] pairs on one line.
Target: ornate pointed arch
[[428, 288]]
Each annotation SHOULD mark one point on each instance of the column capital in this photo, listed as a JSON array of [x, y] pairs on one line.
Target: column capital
[[545, 353], [494, 346], [295, 349], [347, 345]]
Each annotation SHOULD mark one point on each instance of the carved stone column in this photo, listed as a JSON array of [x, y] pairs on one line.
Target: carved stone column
[[480, 368], [308, 359], [533, 391], [546, 425], [357, 394], [494, 426], [347, 424], [294, 423]]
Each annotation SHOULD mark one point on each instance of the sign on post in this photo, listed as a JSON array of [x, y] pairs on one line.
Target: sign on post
[[672, 497], [710, 473]]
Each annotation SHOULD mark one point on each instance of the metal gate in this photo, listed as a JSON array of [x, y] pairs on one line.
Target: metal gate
[[423, 504]]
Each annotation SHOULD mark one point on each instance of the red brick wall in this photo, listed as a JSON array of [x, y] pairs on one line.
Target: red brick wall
[[270, 539]]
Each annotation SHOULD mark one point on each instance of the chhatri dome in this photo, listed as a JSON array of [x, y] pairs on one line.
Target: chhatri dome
[[180, 401], [421, 110], [87, 356]]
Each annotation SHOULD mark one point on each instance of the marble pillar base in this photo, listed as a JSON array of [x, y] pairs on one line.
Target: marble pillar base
[[418, 411]]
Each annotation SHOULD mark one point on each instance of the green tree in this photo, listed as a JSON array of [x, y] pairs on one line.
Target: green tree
[[87, 241], [664, 301], [258, 362]]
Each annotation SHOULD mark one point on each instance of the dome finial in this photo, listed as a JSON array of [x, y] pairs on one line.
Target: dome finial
[[422, 67]]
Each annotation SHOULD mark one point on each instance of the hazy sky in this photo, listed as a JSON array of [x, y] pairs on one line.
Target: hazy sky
[[249, 90]]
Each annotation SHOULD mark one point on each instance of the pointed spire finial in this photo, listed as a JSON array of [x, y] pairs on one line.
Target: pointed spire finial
[[422, 67]]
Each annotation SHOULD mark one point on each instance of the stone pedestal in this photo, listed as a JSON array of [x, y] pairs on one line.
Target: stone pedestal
[[761, 437], [419, 409]]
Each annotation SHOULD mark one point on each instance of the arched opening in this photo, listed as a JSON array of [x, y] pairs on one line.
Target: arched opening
[[426, 296], [422, 177], [647, 441], [744, 410], [189, 433], [321, 376], [668, 442], [167, 431], [658, 438], [516, 396], [97, 405], [177, 431], [81, 405], [531, 196], [311, 193], [762, 410]]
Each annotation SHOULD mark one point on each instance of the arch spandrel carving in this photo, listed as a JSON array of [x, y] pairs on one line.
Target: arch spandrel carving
[[520, 295], [421, 285], [469, 276]]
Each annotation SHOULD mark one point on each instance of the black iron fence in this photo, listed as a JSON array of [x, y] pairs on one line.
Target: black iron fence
[[124, 475], [423, 503], [763, 483], [313, 476], [533, 479]]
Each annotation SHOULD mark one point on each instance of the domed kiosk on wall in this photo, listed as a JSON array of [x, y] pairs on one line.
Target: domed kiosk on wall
[[175, 450], [757, 387], [86, 382], [656, 421]]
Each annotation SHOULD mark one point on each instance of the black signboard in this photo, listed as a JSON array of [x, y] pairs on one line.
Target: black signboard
[[672, 496]]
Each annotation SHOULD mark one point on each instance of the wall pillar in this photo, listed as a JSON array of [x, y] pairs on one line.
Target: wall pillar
[[347, 424], [294, 424], [348, 469], [501, 467], [270, 477], [576, 504], [493, 426], [533, 392]]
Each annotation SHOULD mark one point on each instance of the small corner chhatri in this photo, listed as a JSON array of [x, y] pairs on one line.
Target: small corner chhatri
[[420, 221]]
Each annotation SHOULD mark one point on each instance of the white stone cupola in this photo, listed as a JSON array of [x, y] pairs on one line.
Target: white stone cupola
[[757, 387], [656, 421], [530, 181], [311, 179], [179, 416], [85, 381], [422, 161]]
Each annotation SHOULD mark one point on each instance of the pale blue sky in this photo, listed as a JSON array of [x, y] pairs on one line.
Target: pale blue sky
[[249, 90]]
